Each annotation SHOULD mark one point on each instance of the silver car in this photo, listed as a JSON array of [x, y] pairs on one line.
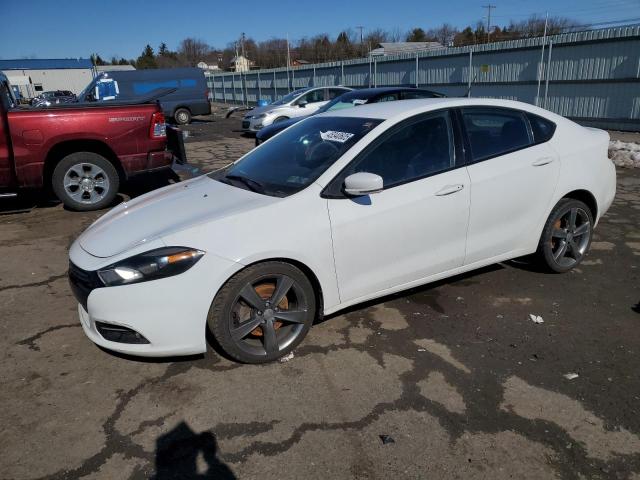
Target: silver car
[[298, 103]]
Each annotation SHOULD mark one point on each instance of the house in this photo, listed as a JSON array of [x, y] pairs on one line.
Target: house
[[207, 67], [397, 48], [299, 62], [241, 64], [32, 76]]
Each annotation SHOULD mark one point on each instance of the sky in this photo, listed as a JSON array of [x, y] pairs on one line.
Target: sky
[[74, 28]]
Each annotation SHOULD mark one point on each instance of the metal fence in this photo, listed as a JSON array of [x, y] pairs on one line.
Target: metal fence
[[591, 76]]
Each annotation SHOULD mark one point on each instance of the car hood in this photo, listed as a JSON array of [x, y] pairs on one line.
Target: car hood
[[166, 211]]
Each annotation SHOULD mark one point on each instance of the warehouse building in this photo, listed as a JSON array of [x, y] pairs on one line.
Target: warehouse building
[[30, 77]]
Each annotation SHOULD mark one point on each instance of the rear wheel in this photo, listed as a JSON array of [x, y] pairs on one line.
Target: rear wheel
[[85, 181], [566, 236], [182, 116], [263, 312]]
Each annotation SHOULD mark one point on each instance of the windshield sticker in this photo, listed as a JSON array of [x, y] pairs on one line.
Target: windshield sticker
[[334, 136], [359, 101]]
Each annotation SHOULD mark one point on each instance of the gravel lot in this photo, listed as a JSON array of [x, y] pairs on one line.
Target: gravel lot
[[456, 374]]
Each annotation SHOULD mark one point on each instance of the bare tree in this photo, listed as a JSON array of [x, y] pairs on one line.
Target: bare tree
[[395, 35], [444, 34], [192, 50], [374, 37]]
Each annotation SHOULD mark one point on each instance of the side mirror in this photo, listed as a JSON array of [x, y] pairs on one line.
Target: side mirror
[[302, 103], [362, 183]]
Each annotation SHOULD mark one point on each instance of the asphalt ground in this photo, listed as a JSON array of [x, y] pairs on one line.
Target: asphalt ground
[[451, 380]]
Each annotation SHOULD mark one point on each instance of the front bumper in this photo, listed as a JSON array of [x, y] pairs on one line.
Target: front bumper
[[170, 313], [253, 125]]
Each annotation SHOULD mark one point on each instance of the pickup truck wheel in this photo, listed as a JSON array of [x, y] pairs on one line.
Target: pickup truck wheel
[[85, 181], [182, 116]]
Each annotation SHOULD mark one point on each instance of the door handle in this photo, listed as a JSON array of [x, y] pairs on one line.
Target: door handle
[[449, 189], [542, 161]]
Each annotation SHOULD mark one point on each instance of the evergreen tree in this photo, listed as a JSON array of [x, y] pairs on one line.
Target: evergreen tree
[[147, 59], [417, 35]]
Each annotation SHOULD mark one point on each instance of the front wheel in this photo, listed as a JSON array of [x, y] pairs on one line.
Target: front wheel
[[85, 181], [566, 236], [280, 119], [263, 312]]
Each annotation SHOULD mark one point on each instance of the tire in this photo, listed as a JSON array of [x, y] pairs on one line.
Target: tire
[[182, 116], [255, 331], [280, 119], [85, 181], [566, 236]]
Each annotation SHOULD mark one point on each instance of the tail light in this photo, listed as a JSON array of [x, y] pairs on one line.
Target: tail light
[[206, 94], [158, 127]]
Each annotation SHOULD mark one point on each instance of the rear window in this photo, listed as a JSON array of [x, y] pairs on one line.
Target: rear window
[[542, 128]]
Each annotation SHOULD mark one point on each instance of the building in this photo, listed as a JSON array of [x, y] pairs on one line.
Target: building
[[396, 48], [34, 76], [114, 68], [299, 62], [208, 68], [241, 64]]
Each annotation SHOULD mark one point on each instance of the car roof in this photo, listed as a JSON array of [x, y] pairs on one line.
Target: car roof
[[406, 108]]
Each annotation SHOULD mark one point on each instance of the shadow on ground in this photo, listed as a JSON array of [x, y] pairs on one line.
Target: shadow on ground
[[183, 453]]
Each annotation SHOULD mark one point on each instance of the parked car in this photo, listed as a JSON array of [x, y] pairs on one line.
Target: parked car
[[82, 152], [349, 100], [190, 98], [342, 208], [299, 103], [46, 99]]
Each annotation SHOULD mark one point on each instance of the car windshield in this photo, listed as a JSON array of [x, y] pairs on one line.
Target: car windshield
[[347, 100], [289, 97], [295, 158]]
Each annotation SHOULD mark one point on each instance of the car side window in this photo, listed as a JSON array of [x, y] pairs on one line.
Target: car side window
[[495, 131], [334, 92], [314, 96], [417, 149], [5, 96], [542, 128], [416, 95], [392, 97]]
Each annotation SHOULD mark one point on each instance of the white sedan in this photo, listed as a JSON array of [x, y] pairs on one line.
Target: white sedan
[[338, 209]]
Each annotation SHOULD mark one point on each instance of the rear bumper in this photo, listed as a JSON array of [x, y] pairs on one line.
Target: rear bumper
[[159, 159], [149, 162]]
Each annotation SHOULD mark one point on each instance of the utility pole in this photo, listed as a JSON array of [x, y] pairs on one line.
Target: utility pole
[[244, 77], [288, 65], [360, 27], [489, 7]]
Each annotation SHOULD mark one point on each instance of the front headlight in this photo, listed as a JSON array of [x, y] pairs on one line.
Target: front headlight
[[159, 263]]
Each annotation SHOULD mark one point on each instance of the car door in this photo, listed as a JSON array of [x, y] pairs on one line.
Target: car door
[[512, 182], [314, 100], [414, 228]]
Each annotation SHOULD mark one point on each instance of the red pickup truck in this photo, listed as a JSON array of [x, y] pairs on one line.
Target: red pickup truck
[[83, 152]]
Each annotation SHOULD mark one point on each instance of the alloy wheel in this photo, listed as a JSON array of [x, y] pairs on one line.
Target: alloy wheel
[[268, 315], [570, 237], [86, 183]]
